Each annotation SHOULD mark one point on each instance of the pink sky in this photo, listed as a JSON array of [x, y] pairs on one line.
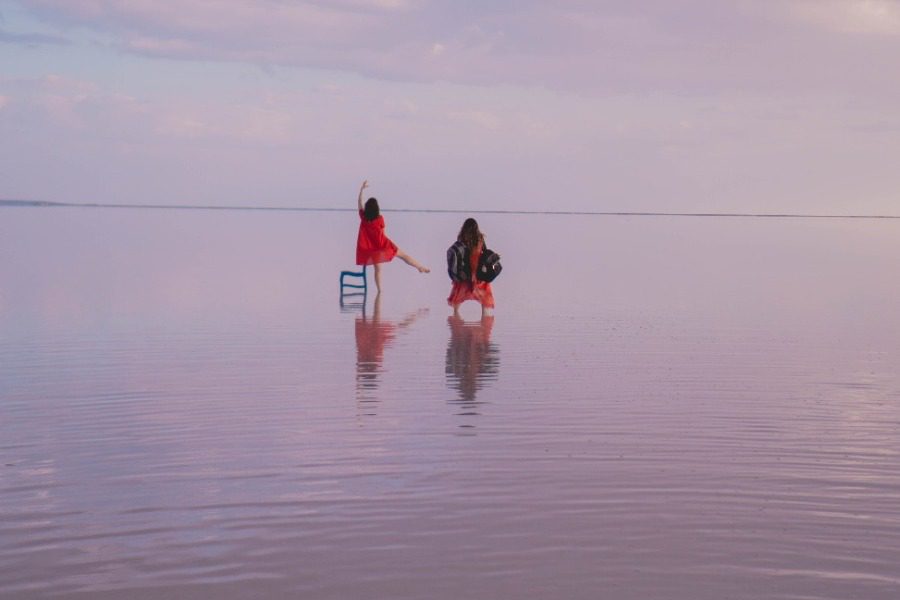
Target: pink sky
[[788, 105]]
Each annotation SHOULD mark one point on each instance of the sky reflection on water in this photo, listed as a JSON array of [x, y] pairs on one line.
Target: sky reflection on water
[[688, 409]]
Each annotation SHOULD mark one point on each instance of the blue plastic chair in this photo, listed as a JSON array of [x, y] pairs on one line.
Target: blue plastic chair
[[361, 274]]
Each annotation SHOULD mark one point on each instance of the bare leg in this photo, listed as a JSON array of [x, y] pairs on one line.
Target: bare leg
[[456, 310], [377, 278], [376, 316], [412, 262], [486, 312]]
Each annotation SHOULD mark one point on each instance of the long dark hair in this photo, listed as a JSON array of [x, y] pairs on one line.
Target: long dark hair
[[371, 211], [470, 235]]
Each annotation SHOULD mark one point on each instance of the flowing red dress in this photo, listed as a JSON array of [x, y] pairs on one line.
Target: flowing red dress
[[372, 245], [480, 291]]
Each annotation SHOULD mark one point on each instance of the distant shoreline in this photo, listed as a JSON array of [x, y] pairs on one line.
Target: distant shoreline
[[739, 215]]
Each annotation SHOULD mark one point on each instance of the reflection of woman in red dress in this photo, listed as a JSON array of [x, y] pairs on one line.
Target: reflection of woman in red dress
[[471, 357], [372, 336], [480, 291], [373, 247]]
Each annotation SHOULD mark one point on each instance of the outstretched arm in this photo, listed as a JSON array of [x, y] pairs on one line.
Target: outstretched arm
[[364, 185]]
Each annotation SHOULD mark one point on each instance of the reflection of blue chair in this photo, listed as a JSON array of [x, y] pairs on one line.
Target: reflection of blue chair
[[361, 274], [354, 308]]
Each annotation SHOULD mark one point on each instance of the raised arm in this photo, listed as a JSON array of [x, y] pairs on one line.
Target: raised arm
[[364, 185]]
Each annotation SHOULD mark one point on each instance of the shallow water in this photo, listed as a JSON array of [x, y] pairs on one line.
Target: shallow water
[[660, 408]]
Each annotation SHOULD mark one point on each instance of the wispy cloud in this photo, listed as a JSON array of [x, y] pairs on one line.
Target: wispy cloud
[[83, 106], [861, 17], [693, 46], [32, 39]]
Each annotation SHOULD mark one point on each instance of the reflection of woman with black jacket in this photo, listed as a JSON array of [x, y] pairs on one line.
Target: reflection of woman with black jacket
[[471, 357]]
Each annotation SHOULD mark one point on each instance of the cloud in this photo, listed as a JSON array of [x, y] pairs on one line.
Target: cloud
[[479, 118], [32, 39], [241, 123], [689, 47], [867, 17], [63, 100], [80, 106]]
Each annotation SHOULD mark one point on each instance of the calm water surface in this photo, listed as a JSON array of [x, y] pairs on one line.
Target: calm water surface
[[660, 408]]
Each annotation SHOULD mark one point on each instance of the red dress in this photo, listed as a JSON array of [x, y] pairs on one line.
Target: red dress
[[479, 291], [372, 336], [372, 246]]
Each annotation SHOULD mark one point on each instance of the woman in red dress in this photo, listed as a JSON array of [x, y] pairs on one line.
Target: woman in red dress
[[373, 247], [473, 289]]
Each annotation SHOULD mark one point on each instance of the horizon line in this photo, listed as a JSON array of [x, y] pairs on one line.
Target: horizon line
[[743, 215]]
